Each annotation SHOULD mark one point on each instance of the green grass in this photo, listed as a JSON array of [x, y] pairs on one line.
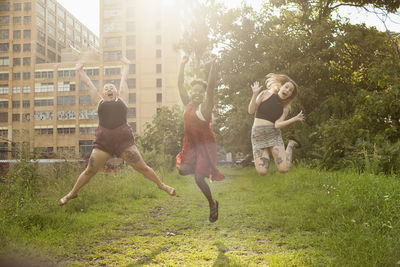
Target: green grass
[[306, 217]]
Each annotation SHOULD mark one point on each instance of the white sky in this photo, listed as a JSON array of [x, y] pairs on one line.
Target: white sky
[[88, 12]]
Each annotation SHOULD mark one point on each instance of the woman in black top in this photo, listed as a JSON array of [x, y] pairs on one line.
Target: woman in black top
[[113, 135], [271, 107]]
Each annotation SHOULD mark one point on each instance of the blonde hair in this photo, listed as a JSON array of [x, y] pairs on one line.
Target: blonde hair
[[274, 83]]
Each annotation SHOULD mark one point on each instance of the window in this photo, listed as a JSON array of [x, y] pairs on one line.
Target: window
[[66, 100], [131, 40], [159, 98], [27, 6], [4, 47], [41, 36], [44, 87], [66, 73], [26, 103], [66, 87], [27, 47], [132, 69], [158, 83], [61, 13], [39, 60], [17, 6], [4, 34], [70, 20], [158, 53], [16, 103], [112, 41], [16, 117], [16, 61], [51, 42], [43, 115], [27, 61], [4, 104], [78, 27], [112, 27], [39, 9], [40, 22], [26, 75], [131, 54], [158, 68], [3, 116], [158, 39], [63, 115], [112, 55], [85, 147], [130, 26], [44, 131], [87, 130], [85, 100], [27, 20], [66, 151], [88, 114], [131, 112], [16, 90], [4, 76], [3, 89], [27, 33], [112, 71], [16, 20], [91, 72], [43, 102], [43, 152], [133, 126], [26, 89], [4, 133], [43, 74], [51, 5], [4, 20], [4, 6], [26, 117], [83, 86], [51, 18], [17, 34], [16, 76], [4, 61], [51, 55], [132, 98], [70, 31], [61, 25], [3, 150], [65, 130], [131, 83], [16, 47]]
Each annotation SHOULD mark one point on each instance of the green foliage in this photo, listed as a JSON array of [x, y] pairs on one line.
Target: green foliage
[[162, 138]]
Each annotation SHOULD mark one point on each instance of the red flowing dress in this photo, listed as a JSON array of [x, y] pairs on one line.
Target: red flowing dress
[[199, 146]]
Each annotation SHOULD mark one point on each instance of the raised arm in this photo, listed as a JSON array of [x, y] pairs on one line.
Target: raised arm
[[281, 122], [182, 92], [123, 85], [208, 106], [94, 95], [256, 88]]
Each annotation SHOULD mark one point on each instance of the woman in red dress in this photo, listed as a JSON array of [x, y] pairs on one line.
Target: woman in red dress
[[199, 152]]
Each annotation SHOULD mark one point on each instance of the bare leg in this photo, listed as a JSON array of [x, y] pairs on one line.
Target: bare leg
[[132, 156], [282, 157], [201, 183], [261, 161], [96, 161]]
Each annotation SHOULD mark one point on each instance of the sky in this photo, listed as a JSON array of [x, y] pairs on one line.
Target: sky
[[88, 12]]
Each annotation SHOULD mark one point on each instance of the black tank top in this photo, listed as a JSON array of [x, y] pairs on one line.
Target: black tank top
[[112, 114], [270, 109]]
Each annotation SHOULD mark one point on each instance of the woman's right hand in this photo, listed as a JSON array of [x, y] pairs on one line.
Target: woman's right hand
[[300, 116], [185, 60], [256, 88]]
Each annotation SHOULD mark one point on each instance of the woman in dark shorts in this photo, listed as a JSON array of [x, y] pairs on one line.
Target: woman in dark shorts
[[113, 135], [199, 152], [271, 108]]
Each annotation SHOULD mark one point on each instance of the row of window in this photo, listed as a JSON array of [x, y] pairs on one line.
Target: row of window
[[5, 6], [5, 34], [5, 47]]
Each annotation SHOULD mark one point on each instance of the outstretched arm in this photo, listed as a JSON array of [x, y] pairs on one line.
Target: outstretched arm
[[123, 85], [208, 106], [182, 92], [94, 95], [256, 88], [281, 122]]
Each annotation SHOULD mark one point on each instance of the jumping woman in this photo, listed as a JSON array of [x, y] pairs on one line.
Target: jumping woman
[[113, 136], [271, 108], [199, 152]]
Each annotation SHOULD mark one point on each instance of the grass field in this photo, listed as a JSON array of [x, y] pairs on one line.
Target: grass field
[[306, 217]]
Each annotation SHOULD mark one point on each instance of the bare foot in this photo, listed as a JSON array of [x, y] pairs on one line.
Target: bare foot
[[170, 190], [65, 199]]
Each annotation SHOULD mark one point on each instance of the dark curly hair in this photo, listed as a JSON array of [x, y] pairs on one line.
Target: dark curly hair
[[200, 82]]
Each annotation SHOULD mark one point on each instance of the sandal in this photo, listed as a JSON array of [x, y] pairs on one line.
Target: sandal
[[170, 190], [65, 200], [297, 141], [214, 213]]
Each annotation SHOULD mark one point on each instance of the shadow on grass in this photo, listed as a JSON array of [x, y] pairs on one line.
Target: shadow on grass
[[147, 258], [222, 260]]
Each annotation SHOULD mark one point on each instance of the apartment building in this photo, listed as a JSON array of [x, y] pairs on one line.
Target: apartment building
[[45, 110]]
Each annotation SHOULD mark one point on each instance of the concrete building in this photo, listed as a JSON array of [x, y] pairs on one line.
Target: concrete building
[[44, 108]]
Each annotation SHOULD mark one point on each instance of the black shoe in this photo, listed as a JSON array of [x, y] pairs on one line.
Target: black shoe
[[214, 213], [297, 141]]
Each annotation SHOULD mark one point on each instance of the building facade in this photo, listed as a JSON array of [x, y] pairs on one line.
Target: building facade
[[45, 110]]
